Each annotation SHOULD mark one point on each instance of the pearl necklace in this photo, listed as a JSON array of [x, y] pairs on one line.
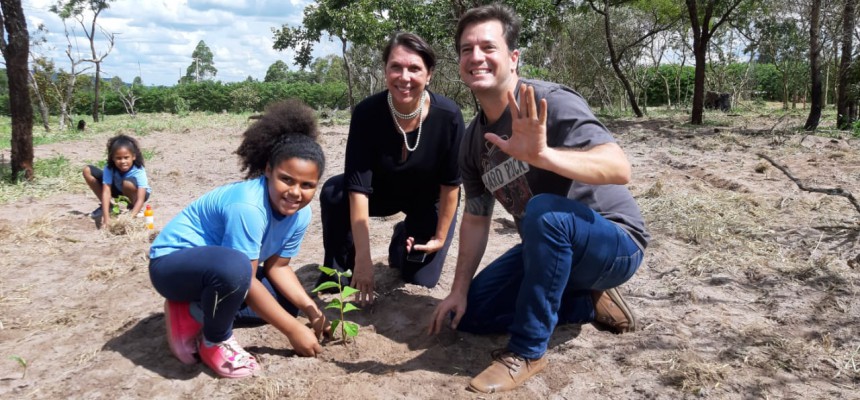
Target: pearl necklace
[[419, 112]]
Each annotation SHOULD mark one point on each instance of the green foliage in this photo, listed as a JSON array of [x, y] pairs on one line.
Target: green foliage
[[246, 97], [51, 167], [22, 363], [178, 105], [202, 66], [277, 72], [348, 329]]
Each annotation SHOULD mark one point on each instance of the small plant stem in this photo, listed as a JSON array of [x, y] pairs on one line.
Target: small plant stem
[[342, 306]]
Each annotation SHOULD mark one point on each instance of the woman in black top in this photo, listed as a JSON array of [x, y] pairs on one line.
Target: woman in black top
[[401, 156]]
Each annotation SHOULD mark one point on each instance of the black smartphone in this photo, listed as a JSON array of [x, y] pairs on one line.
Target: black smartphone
[[416, 256]]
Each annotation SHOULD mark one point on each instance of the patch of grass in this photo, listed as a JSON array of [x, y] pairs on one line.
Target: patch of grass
[[52, 175], [266, 388], [148, 154], [139, 126], [689, 372], [701, 217]]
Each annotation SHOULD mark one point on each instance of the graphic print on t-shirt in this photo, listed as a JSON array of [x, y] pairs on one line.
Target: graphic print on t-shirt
[[505, 177]]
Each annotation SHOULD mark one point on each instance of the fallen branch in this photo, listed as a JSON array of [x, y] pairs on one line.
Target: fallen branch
[[801, 186]]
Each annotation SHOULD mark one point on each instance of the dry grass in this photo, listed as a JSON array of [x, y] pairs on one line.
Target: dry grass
[[689, 372], [265, 388], [702, 216]]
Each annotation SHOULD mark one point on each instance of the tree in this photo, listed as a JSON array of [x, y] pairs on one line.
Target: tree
[[844, 116], [706, 17], [65, 83], [357, 22], [657, 21], [814, 66], [277, 72], [39, 94], [76, 9], [126, 94], [202, 65], [783, 46], [16, 52]]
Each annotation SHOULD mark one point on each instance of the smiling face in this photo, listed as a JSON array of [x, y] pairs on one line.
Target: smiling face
[[292, 185], [487, 65], [123, 159], [406, 76]]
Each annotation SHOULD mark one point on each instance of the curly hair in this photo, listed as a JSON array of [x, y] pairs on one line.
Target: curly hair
[[287, 129], [124, 142]]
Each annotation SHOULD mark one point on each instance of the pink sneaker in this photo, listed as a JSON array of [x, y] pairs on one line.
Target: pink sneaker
[[228, 359], [182, 331]]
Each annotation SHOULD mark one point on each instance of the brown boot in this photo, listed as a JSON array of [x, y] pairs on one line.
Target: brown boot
[[611, 311], [508, 371]]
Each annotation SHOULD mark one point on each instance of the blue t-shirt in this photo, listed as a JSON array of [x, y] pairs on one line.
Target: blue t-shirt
[[110, 175], [238, 216]]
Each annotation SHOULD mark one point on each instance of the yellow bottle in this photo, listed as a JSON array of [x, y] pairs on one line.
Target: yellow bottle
[[150, 217]]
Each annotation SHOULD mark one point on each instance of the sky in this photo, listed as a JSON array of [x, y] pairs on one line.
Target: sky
[[154, 39]]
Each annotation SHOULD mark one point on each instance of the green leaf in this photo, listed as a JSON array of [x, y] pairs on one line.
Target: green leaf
[[328, 271], [347, 274], [351, 328], [350, 307], [334, 303], [20, 360], [324, 286], [334, 325], [349, 291]]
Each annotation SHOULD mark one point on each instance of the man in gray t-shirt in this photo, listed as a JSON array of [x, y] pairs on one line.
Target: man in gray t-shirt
[[536, 148]]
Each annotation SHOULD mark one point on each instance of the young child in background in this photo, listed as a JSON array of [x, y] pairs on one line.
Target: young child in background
[[225, 258], [123, 175]]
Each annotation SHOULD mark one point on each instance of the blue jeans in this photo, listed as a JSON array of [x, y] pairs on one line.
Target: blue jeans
[[567, 251], [216, 280]]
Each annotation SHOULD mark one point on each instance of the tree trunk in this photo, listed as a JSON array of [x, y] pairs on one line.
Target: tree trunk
[[615, 59], [96, 90], [700, 50], [843, 117], [814, 66], [17, 53], [43, 107], [349, 83]]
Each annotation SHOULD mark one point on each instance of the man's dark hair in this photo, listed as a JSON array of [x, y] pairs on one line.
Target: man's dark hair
[[412, 42], [491, 12]]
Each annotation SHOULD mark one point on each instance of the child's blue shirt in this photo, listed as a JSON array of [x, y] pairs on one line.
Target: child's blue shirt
[[238, 216], [110, 175]]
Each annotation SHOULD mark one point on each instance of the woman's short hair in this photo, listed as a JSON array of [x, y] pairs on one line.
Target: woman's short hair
[[412, 42]]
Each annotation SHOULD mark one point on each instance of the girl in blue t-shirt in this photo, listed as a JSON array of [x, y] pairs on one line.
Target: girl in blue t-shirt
[[123, 175], [225, 258]]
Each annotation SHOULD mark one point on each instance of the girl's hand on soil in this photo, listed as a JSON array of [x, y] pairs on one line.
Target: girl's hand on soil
[[304, 342], [362, 280], [433, 245]]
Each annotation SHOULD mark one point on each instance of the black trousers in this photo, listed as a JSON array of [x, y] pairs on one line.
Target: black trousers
[[420, 223]]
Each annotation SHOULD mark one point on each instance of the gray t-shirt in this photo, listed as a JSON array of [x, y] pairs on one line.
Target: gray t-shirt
[[570, 124]]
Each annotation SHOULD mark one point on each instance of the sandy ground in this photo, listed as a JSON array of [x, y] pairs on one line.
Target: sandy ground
[[749, 289]]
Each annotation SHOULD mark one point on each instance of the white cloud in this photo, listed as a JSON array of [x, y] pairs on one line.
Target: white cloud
[[160, 36]]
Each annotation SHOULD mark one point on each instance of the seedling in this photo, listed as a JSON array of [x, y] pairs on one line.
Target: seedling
[[347, 329], [121, 201], [22, 362]]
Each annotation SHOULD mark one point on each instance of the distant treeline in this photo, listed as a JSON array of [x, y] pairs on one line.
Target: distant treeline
[[670, 84], [212, 96]]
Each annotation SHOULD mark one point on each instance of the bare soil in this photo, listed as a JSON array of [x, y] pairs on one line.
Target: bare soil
[[750, 287]]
